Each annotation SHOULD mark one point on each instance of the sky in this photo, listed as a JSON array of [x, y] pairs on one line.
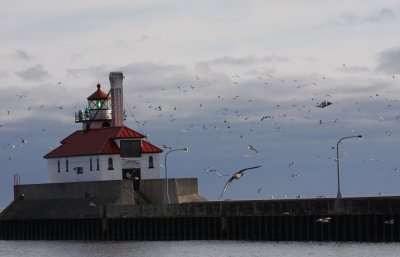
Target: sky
[[217, 77]]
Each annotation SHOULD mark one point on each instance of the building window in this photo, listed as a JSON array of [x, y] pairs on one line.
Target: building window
[[151, 162], [66, 166], [58, 166], [90, 164], [131, 148], [110, 164], [79, 170], [98, 164]]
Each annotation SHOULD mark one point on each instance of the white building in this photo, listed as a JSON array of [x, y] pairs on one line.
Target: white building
[[104, 149]]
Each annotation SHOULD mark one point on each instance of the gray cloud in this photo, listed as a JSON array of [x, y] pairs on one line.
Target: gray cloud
[[3, 74], [228, 60], [355, 69], [352, 19], [151, 69], [35, 73], [22, 55], [383, 14], [93, 71], [389, 61]]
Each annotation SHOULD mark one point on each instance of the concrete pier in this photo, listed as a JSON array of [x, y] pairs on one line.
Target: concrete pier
[[112, 211], [361, 219]]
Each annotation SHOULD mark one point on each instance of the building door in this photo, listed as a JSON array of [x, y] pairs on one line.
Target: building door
[[132, 175]]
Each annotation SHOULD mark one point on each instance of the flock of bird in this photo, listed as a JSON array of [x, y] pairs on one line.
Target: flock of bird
[[241, 117], [234, 115]]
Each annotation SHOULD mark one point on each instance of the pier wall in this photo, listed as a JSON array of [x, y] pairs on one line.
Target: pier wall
[[278, 207], [107, 211], [369, 219], [121, 191]]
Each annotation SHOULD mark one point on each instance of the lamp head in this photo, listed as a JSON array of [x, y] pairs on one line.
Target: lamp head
[[360, 136], [186, 149]]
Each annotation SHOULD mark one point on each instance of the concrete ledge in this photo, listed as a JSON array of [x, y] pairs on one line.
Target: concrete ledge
[[51, 209], [179, 190], [120, 190]]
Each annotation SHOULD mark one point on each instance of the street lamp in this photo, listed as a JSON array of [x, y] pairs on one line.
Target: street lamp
[[339, 195], [165, 167]]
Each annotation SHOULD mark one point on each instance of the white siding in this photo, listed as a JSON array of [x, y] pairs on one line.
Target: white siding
[[103, 173], [148, 173], [88, 175]]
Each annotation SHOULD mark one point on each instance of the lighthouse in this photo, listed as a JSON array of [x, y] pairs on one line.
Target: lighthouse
[[104, 149], [98, 112]]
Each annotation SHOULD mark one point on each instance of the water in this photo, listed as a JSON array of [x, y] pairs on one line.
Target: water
[[195, 249]]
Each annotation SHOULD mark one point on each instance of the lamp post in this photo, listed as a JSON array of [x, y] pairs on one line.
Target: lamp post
[[339, 195], [165, 167]]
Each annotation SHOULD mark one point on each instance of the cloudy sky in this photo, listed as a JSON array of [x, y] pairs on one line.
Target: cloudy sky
[[203, 74]]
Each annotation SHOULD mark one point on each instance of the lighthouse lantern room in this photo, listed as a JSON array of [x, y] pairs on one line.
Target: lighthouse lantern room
[[105, 149], [98, 112]]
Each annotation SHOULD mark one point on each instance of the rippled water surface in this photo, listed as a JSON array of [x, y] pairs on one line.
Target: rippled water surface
[[195, 248]]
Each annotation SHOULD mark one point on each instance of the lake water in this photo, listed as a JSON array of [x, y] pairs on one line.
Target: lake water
[[195, 248]]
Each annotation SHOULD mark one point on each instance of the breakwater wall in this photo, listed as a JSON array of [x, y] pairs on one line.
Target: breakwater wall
[[352, 219]]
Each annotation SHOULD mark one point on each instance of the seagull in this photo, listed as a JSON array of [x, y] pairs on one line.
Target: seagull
[[210, 169], [236, 175], [324, 104], [291, 164], [324, 220], [295, 175], [266, 117], [389, 222], [251, 148], [92, 205], [166, 146]]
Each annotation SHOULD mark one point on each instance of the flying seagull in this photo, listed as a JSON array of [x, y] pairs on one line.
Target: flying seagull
[[236, 175], [324, 104], [389, 222], [251, 148], [295, 174], [166, 146], [324, 220]]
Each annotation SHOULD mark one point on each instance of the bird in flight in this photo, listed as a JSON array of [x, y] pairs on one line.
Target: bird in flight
[[295, 174], [266, 117], [324, 104], [389, 222], [324, 220], [251, 148], [166, 147], [236, 175]]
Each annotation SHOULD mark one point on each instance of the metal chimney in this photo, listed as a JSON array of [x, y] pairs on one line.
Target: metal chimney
[[117, 99]]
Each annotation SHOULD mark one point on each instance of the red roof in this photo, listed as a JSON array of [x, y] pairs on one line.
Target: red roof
[[98, 141], [150, 148], [99, 94]]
